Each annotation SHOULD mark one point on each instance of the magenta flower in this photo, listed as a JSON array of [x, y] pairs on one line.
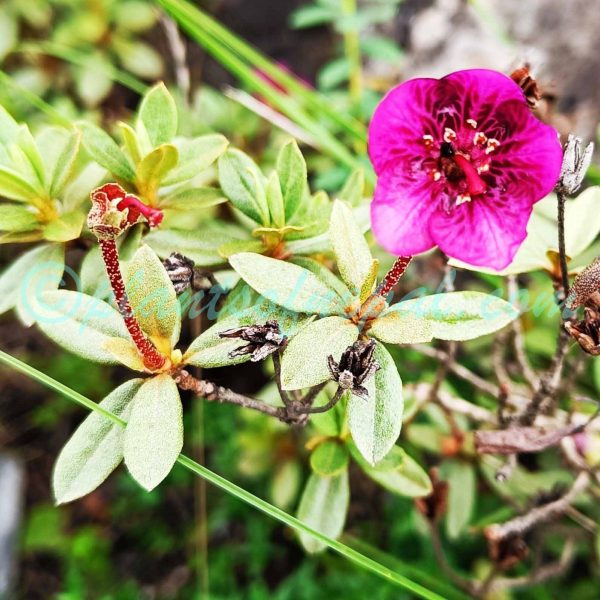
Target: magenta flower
[[460, 162]]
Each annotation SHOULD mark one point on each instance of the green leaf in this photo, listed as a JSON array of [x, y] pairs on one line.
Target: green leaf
[[351, 250], [67, 227], [92, 80], [17, 218], [34, 272], [304, 362], [354, 189], [375, 422], [333, 74], [459, 315], [209, 350], [154, 432], [65, 164], [397, 328], [201, 246], [80, 323], [158, 113], [15, 187], [275, 201], [381, 48], [323, 506], [104, 150], [286, 284], [153, 298], [140, 58], [312, 15], [329, 458], [131, 142], [30, 150], [193, 199], [291, 168], [9, 33], [462, 490], [195, 156], [366, 288], [154, 166], [324, 274], [95, 449], [243, 184], [582, 221], [397, 472]]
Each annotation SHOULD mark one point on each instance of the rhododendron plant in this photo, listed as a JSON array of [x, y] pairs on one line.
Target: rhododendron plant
[[460, 162]]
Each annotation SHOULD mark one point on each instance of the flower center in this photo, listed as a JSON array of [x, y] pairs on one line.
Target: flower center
[[457, 161]]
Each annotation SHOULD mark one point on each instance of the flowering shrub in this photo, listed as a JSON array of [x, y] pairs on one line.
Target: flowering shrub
[[286, 275]]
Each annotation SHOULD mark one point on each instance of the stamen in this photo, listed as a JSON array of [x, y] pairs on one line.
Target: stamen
[[462, 198], [492, 144], [472, 123], [428, 140], [435, 175], [449, 134], [480, 138], [484, 168]]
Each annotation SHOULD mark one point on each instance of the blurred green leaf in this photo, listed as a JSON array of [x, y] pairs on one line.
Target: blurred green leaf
[[65, 228], [462, 488], [329, 458], [65, 164], [17, 218], [324, 505], [291, 169]]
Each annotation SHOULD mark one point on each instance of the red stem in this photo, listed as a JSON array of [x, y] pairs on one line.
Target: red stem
[[152, 358], [393, 275]]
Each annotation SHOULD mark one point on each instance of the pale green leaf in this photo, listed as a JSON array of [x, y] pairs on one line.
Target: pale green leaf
[[398, 473], [275, 201], [158, 113], [32, 273], [291, 168], [459, 315], [354, 189], [65, 164], [195, 156], [81, 324], [286, 284], [351, 250], [329, 458], [15, 186], [582, 221], [132, 144], [193, 199], [243, 183], [9, 33], [95, 449], [375, 421], [67, 227], [155, 165], [202, 246], [141, 59], [323, 506], [17, 218], [154, 432], [396, 328], [304, 362], [153, 298], [105, 151], [324, 274]]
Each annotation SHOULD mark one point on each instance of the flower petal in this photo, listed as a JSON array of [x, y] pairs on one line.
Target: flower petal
[[485, 232], [400, 121], [400, 212]]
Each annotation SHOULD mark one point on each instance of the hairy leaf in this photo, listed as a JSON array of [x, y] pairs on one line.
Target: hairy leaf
[[158, 113], [154, 432], [291, 169], [375, 422], [329, 458], [95, 449], [397, 328]]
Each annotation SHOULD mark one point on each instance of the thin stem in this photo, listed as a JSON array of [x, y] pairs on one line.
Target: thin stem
[[393, 275], [277, 367], [152, 358], [564, 269], [231, 488], [311, 410]]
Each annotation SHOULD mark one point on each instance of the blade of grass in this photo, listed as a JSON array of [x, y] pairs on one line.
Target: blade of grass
[[245, 73], [81, 59], [231, 488], [34, 100], [270, 68]]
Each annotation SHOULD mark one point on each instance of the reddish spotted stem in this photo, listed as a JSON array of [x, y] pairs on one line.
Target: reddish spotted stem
[[152, 358], [393, 275]]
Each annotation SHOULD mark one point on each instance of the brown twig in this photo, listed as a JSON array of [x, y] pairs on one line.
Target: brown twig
[[564, 269], [541, 514]]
